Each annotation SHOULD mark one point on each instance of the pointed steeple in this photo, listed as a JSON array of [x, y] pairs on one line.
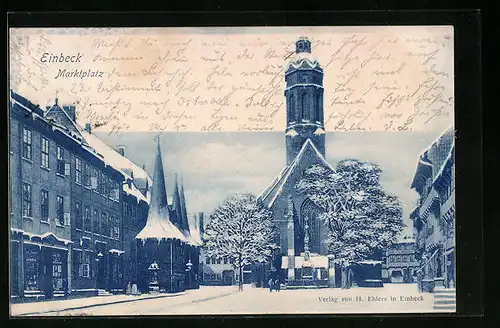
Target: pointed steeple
[[158, 225], [176, 205], [158, 190], [184, 218]]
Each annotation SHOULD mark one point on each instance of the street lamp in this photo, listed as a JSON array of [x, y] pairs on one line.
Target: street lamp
[[154, 284], [99, 257], [189, 266]]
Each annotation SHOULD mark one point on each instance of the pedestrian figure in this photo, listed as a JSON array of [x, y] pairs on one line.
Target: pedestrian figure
[[270, 285], [277, 285]]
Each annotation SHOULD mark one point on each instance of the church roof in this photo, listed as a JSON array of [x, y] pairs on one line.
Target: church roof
[[308, 153]]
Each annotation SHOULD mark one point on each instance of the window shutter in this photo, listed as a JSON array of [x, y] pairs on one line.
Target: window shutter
[[67, 219], [93, 183], [67, 169]]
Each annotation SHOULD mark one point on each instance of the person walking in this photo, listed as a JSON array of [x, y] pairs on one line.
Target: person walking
[[270, 285], [277, 285]]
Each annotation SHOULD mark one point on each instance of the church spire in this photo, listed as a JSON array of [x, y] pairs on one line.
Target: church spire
[[158, 190], [184, 218], [176, 203]]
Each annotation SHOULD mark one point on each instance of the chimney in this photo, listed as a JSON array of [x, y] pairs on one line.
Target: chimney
[[88, 127], [202, 227], [71, 111], [121, 150]]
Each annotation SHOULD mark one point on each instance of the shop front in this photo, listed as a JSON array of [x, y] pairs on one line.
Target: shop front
[[39, 266]]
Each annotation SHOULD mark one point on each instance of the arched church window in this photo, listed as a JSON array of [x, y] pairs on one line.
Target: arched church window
[[310, 211], [305, 106]]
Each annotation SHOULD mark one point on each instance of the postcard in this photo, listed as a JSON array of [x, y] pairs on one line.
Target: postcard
[[231, 170]]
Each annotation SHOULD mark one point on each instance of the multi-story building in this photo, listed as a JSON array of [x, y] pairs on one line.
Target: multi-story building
[[399, 263], [434, 216], [40, 203], [67, 191]]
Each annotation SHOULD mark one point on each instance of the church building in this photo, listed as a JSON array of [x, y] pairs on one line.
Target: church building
[[300, 232], [168, 246]]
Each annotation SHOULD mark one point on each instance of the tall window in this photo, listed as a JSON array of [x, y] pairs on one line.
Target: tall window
[[116, 227], [318, 107], [60, 210], [60, 160], [87, 174], [78, 170], [305, 106], [44, 205], [125, 208], [78, 215], [87, 223], [291, 108], [27, 211], [45, 153], [104, 224], [26, 143], [208, 260], [95, 219]]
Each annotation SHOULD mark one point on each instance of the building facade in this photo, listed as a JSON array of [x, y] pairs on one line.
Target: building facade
[[67, 193], [434, 216], [40, 203], [400, 264]]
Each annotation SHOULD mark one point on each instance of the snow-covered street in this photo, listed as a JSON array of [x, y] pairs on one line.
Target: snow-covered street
[[401, 298]]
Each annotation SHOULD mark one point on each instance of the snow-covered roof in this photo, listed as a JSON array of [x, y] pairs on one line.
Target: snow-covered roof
[[318, 261], [447, 159], [116, 251], [370, 262], [273, 191], [123, 164], [424, 166], [158, 227]]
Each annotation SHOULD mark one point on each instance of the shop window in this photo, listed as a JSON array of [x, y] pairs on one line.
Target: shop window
[[31, 268]]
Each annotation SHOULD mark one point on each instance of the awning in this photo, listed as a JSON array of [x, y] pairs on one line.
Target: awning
[[116, 251]]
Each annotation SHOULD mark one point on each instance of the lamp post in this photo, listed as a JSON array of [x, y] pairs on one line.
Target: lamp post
[[189, 266], [98, 259], [154, 285]]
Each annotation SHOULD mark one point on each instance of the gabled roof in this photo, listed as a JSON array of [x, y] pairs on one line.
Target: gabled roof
[[61, 117], [309, 152]]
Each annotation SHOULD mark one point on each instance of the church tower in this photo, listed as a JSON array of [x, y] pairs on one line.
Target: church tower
[[304, 101]]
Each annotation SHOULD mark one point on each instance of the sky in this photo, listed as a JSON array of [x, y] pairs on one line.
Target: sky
[[215, 165]]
